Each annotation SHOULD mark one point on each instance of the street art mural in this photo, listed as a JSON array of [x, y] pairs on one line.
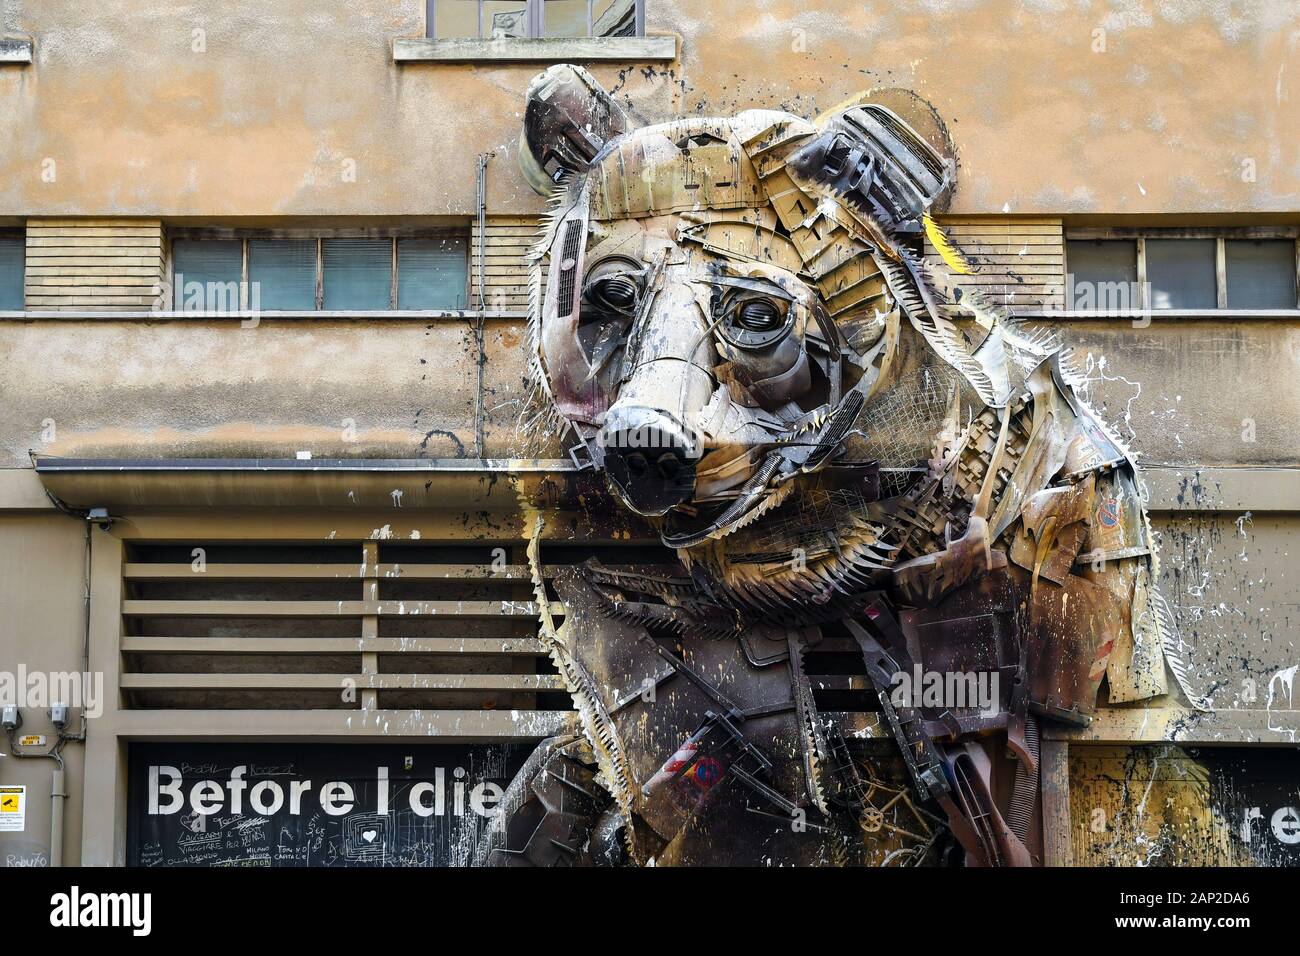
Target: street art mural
[[848, 451]]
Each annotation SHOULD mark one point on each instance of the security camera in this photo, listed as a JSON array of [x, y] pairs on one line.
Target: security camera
[[59, 715], [101, 517], [11, 719]]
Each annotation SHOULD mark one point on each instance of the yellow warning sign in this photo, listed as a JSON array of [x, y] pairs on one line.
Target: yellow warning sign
[[13, 808]]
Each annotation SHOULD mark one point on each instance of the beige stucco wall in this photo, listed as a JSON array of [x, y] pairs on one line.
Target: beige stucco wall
[[42, 607], [260, 124]]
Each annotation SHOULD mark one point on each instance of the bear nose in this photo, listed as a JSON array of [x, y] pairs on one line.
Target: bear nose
[[649, 458]]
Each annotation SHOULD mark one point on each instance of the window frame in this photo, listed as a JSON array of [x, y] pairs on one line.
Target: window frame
[[535, 19], [1221, 235], [18, 234], [392, 236]]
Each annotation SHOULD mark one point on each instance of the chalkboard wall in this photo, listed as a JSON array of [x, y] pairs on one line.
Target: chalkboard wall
[[312, 804]]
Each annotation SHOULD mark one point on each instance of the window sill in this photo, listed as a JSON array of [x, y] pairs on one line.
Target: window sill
[[15, 51], [82, 315], [1155, 314], [535, 50]]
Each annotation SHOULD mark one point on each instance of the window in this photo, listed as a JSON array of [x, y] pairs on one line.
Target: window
[[282, 274], [1180, 273], [13, 255], [506, 19], [1102, 275], [1182, 269], [1261, 273], [427, 269], [336, 274], [358, 273]]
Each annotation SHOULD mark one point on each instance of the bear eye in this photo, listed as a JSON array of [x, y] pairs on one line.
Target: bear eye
[[754, 321], [617, 293], [614, 286], [759, 315]]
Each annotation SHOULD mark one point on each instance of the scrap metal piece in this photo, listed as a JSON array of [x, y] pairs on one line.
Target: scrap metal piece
[[923, 760], [567, 121]]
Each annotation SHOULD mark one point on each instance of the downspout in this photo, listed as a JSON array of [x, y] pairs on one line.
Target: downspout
[[480, 175]]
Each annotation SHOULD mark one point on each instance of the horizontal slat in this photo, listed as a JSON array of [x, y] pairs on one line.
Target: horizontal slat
[[469, 609], [986, 268], [486, 646], [996, 228], [143, 271], [1013, 261], [241, 572], [449, 682], [143, 571], [361, 725], [96, 242], [78, 232], [517, 229], [1004, 240], [88, 302], [78, 281], [92, 254]]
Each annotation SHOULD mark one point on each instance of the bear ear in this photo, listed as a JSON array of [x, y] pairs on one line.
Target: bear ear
[[568, 121], [916, 133]]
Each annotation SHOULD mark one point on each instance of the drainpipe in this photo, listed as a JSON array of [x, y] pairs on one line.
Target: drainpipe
[[480, 177], [58, 793]]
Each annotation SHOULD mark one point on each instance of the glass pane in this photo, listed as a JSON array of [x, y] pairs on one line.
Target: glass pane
[[1261, 273], [282, 274], [431, 273], [504, 18], [455, 18], [565, 18], [206, 274], [358, 273], [1181, 273], [613, 18], [12, 255], [1103, 274]]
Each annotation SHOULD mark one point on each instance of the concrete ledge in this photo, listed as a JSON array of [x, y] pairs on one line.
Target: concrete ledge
[[536, 49], [1153, 316], [318, 483], [1222, 489], [458, 482], [447, 726], [1181, 725], [110, 315], [15, 51]]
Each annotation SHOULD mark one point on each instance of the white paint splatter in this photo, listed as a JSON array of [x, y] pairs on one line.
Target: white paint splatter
[[1282, 680]]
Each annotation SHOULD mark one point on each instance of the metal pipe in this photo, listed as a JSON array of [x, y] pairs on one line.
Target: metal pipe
[[58, 793], [480, 182]]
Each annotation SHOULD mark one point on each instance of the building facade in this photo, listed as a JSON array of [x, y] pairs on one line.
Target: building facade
[[267, 473]]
